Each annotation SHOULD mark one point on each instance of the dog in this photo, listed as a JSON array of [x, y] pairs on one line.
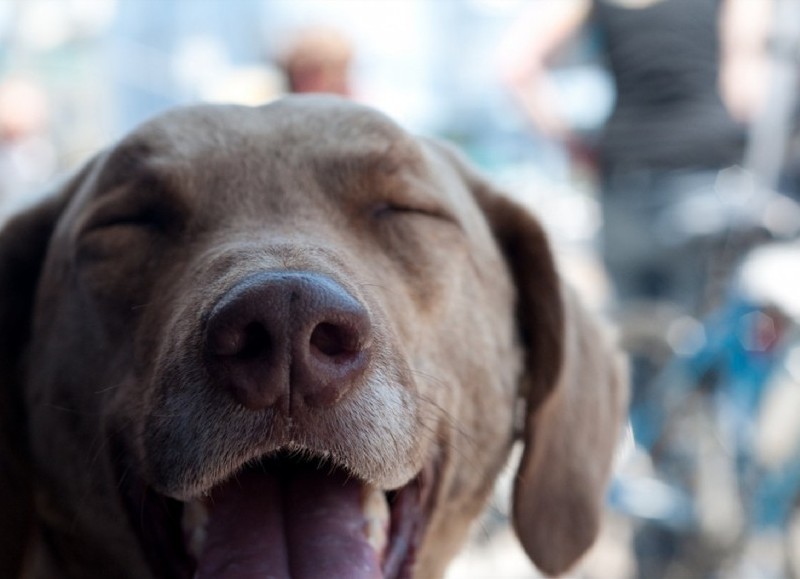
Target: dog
[[289, 341]]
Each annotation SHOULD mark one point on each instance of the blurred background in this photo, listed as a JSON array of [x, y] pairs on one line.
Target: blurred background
[[79, 73], [658, 140]]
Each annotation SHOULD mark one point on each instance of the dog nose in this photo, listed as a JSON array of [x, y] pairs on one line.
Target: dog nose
[[287, 340]]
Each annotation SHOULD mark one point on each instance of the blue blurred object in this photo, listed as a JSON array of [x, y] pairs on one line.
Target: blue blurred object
[[703, 411]]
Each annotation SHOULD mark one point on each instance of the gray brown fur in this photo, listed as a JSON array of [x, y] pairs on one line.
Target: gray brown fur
[[100, 334]]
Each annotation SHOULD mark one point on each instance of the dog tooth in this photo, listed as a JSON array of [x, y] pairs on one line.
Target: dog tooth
[[195, 522], [376, 514]]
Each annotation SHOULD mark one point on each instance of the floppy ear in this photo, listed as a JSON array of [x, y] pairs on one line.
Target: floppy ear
[[570, 437], [574, 390], [23, 246]]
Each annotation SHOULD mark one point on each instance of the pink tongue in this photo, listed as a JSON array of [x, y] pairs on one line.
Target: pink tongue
[[307, 525]]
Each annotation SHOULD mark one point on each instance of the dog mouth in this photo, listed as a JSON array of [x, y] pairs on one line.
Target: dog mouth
[[284, 517]]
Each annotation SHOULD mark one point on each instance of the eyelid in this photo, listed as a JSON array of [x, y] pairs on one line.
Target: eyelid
[[133, 213], [144, 201], [389, 207], [145, 220]]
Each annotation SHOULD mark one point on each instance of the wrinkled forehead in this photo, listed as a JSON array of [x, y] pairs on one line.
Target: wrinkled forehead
[[291, 135], [276, 159]]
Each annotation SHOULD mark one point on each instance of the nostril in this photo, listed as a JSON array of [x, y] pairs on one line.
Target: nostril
[[334, 340], [247, 343], [257, 342]]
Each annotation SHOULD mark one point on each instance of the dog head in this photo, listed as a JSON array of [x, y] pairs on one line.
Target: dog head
[[290, 338]]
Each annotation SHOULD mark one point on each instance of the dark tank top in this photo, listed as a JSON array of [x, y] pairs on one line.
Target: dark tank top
[[665, 62]]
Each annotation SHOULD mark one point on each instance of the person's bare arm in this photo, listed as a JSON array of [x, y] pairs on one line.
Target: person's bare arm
[[533, 39], [744, 69]]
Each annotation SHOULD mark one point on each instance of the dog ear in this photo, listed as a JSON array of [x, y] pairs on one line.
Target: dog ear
[[574, 391], [23, 246], [570, 436]]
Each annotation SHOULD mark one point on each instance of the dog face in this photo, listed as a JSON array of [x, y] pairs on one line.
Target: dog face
[[288, 340]]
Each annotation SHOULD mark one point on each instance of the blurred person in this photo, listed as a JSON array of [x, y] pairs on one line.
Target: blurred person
[[27, 156], [689, 76], [318, 60]]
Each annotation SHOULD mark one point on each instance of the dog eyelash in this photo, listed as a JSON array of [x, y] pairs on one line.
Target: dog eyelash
[[150, 219], [388, 209], [126, 221]]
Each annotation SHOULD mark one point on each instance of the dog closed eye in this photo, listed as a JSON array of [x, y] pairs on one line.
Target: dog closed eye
[[388, 209]]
